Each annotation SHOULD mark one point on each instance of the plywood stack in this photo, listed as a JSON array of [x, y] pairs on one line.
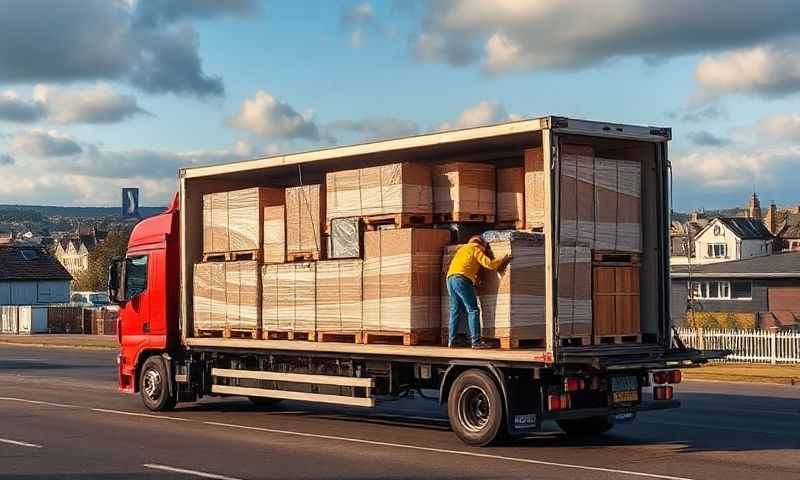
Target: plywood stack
[[401, 284], [226, 301], [464, 192], [305, 211], [400, 192], [510, 198], [338, 297], [275, 232], [512, 302], [574, 295], [534, 189], [289, 300]]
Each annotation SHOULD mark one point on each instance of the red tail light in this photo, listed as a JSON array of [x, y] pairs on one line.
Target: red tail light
[[573, 384], [663, 392], [660, 377], [675, 376], [558, 402]]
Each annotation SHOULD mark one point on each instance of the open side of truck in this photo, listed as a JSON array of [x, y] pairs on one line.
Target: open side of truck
[[489, 393]]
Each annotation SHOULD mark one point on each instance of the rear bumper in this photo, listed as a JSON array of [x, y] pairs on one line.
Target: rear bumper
[[603, 411]]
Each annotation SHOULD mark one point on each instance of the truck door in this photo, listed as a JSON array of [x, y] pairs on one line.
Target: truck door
[[136, 311]]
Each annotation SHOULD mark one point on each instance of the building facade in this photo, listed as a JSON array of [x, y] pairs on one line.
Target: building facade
[[725, 239], [31, 276]]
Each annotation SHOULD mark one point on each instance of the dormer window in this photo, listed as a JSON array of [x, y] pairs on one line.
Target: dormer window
[[717, 230]]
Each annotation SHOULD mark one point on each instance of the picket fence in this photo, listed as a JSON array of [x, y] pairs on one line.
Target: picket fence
[[757, 346]]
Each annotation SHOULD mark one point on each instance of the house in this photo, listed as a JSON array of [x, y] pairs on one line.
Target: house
[[732, 238], [761, 291], [31, 276], [682, 235], [789, 237], [74, 252]]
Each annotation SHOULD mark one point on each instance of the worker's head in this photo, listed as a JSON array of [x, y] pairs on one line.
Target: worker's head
[[479, 241]]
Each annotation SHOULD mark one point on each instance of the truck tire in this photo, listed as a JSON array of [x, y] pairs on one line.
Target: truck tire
[[154, 385], [264, 403], [475, 408], [586, 426]]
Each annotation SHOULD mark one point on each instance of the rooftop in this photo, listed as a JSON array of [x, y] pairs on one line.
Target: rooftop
[[770, 266], [30, 263], [747, 228]]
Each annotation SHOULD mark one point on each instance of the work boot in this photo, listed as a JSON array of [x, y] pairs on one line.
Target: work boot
[[457, 343], [482, 345]]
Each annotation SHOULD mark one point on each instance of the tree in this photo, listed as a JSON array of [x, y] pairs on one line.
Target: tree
[[95, 277]]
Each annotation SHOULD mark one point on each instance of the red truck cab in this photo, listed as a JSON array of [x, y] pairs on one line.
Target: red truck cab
[[148, 321]]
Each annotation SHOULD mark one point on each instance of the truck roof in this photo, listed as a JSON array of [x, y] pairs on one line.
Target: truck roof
[[562, 124]]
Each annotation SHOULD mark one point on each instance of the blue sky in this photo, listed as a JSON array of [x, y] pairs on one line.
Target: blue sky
[[130, 90]]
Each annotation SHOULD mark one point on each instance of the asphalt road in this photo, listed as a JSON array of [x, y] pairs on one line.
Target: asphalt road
[[62, 418]]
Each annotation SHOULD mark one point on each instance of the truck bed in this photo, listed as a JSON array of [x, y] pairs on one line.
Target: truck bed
[[416, 352]]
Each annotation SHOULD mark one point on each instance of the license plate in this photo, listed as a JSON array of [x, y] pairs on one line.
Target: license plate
[[627, 396], [624, 383]]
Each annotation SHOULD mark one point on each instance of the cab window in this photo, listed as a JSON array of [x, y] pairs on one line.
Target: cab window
[[135, 275]]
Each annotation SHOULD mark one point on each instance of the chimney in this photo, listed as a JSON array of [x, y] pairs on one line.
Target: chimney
[[770, 220]]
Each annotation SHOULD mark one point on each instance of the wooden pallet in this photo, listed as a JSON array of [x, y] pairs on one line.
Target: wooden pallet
[[340, 337], [232, 256], [575, 341], [209, 332], [617, 339], [600, 257], [397, 220], [290, 335], [250, 333], [305, 256], [462, 217], [427, 336]]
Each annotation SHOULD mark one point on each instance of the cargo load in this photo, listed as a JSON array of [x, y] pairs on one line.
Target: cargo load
[[232, 221], [275, 232], [464, 191], [511, 197], [575, 293], [616, 298], [534, 189], [289, 298], [305, 209], [401, 283], [344, 238], [227, 297], [398, 188], [338, 295]]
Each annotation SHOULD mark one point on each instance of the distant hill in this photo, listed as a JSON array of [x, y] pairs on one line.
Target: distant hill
[[725, 212], [77, 212]]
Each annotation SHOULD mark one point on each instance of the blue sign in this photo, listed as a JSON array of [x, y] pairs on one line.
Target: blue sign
[[130, 203]]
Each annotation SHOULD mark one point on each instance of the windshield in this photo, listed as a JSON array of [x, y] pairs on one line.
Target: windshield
[[99, 298]]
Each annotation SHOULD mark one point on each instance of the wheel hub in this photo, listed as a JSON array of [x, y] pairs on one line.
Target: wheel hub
[[151, 384], [474, 408]]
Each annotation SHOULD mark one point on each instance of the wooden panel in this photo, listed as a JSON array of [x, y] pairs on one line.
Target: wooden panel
[[604, 308], [616, 300], [784, 298], [295, 377], [289, 395], [604, 280]]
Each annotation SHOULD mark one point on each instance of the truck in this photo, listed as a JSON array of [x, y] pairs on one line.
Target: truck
[[490, 394]]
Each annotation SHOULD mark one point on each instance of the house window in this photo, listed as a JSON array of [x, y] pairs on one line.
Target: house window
[[721, 290], [717, 250], [717, 230]]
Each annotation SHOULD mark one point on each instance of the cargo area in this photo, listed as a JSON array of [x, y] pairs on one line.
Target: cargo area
[[347, 249]]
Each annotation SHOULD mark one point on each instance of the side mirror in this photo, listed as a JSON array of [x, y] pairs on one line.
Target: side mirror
[[116, 281]]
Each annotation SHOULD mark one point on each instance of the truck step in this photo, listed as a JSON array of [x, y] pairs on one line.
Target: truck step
[[424, 336], [397, 220], [617, 339], [462, 217]]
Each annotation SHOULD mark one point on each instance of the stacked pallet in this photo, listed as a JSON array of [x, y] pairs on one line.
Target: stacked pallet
[[227, 299], [510, 198], [464, 192]]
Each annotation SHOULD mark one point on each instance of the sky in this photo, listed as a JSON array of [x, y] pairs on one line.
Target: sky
[[96, 95]]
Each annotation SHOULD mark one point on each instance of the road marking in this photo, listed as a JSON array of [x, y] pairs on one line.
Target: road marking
[[136, 414], [39, 402], [185, 471], [452, 452], [19, 444]]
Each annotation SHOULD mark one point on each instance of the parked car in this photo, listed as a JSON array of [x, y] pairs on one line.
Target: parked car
[[91, 299]]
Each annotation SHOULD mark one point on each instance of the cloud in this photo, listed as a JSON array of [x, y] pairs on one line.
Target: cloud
[[150, 13], [508, 35], [703, 138], [44, 143], [96, 104], [769, 70], [484, 113], [269, 117], [15, 109], [781, 127], [358, 19], [377, 127], [6, 159], [698, 112], [100, 41]]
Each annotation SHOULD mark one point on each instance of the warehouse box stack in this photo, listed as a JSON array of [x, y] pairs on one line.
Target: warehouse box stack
[[464, 192], [338, 297], [511, 198], [289, 298], [305, 211]]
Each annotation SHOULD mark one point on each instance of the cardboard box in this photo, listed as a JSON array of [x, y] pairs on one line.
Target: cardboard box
[[574, 291], [511, 196], [338, 297], [386, 189], [289, 297], [534, 189], [464, 189], [233, 221], [305, 209], [401, 283]]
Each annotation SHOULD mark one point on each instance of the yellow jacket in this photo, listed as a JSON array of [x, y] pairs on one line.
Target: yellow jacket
[[468, 261]]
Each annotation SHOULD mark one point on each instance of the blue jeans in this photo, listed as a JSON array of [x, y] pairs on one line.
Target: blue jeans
[[463, 297]]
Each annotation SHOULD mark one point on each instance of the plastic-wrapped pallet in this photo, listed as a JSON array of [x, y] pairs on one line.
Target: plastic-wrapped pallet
[[577, 206], [534, 188], [242, 294], [574, 291], [511, 196], [232, 221], [401, 283], [305, 209], [275, 233], [339, 295], [218, 305], [289, 297], [344, 238], [464, 190], [201, 297], [396, 188]]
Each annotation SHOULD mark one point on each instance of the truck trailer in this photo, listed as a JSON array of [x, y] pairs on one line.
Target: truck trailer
[[490, 394]]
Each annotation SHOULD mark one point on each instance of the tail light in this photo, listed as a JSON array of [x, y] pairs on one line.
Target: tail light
[[573, 384], [663, 392], [675, 376], [558, 402], [667, 376]]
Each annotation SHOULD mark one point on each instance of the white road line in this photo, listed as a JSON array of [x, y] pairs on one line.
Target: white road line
[[19, 444], [39, 402], [452, 452], [136, 414], [185, 471]]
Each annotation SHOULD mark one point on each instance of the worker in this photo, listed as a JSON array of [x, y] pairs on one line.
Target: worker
[[462, 278]]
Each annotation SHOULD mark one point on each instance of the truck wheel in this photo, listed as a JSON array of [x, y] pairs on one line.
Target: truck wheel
[[264, 402], [154, 386], [586, 426], [475, 408]]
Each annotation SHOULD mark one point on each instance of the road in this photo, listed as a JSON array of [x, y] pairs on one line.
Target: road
[[62, 418]]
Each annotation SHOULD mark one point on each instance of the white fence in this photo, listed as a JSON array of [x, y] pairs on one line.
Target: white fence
[[758, 346]]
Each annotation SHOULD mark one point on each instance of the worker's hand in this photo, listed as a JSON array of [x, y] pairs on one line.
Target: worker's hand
[[504, 263]]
